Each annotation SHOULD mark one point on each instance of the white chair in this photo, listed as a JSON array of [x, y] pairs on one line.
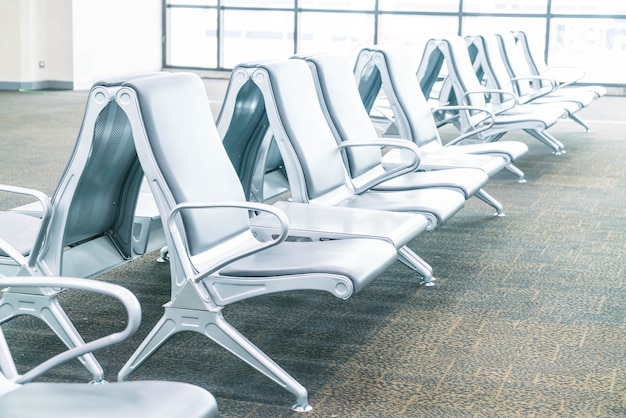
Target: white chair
[[384, 69], [215, 258], [79, 400], [462, 86], [89, 225]]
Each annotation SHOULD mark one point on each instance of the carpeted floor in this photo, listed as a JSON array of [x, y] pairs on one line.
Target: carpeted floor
[[527, 318]]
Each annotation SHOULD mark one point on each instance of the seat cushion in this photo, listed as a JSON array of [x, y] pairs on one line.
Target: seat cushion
[[119, 400], [360, 260], [468, 180], [19, 230]]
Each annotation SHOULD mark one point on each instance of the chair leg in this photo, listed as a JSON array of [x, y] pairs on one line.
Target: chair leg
[[519, 173], [408, 257], [579, 121], [213, 325], [47, 308], [547, 139], [491, 201], [7, 366]]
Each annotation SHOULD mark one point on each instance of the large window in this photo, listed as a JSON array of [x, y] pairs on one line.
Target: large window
[[219, 34]]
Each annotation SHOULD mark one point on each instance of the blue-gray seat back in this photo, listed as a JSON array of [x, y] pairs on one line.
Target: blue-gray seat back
[[176, 106], [246, 135], [412, 113], [513, 56], [246, 131], [429, 69], [489, 58], [97, 193], [537, 66], [461, 76], [341, 101], [306, 141]]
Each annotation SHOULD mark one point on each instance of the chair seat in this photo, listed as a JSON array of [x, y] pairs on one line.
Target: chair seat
[[469, 180], [448, 160], [361, 260], [542, 116], [19, 231], [119, 400], [440, 203], [582, 98], [514, 149]]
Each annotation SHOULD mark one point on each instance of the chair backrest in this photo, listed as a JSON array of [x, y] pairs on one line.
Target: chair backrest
[[243, 126], [411, 111], [173, 106], [513, 56], [97, 193], [341, 102], [535, 62], [461, 76], [491, 62], [314, 165]]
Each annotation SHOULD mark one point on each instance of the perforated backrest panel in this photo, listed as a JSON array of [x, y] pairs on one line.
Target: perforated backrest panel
[[105, 197]]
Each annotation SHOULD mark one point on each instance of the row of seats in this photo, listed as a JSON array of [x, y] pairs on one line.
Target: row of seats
[[291, 189]]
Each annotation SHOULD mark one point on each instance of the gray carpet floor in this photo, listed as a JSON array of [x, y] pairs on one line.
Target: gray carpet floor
[[527, 318]]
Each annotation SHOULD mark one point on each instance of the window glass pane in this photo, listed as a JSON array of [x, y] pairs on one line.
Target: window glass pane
[[505, 6], [535, 28], [338, 4], [192, 38], [597, 45], [419, 5], [588, 7], [194, 2], [256, 3], [413, 32], [336, 33], [257, 35]]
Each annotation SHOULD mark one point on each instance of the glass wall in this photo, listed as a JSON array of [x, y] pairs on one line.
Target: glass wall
[[219, 34]]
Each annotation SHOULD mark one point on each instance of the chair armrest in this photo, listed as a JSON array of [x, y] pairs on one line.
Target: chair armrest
[[241, 251], [396, 171], [477, 126], [513, 98], [128, 300], [574, 75], [46, 214], [542, 86]]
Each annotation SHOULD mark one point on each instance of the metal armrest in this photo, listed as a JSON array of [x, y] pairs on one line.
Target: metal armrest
[[396, 171], [130, 302], [513, 102], [240, 252], [46, 214], [579, 74], [476, 127], [540, 89]]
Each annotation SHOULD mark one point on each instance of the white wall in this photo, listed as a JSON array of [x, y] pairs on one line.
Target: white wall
[[115, 37], [73, 43]]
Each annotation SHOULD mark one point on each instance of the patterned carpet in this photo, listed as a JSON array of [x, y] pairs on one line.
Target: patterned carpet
[[527, 318]]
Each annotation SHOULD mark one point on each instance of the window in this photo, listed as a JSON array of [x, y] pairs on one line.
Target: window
[[251, 35], [191, 38], [219, 34]]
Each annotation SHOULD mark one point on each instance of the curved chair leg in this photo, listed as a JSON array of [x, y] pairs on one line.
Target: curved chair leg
[[7, 365], [547, 139], [163, 255], [212, 324], [47, 308], [488, 199], [408, 257], [519, 173], [579, 121]]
